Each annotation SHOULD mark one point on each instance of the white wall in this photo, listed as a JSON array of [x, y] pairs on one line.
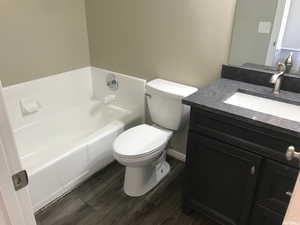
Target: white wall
[[60, 92], [291, 37], [55, 93], [130, 94]]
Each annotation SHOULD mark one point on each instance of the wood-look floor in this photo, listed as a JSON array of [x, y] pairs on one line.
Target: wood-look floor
[[101, 201]]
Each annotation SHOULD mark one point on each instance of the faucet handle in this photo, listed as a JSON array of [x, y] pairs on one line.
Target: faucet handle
[[292, 154], [281, 67]]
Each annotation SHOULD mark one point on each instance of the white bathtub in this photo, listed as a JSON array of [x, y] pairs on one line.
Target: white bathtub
[[70, 136], [62, 150]]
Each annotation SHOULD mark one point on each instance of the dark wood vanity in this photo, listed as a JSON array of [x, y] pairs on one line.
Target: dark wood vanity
[[237, 172]]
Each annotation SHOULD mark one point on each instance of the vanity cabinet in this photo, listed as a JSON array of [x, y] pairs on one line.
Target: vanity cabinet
[[237, 173], [222, 178]]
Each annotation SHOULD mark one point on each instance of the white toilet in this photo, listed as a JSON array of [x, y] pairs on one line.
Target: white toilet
[[142, 148]]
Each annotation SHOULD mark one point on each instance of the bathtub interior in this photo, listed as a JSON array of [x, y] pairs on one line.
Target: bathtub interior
[[70, 137], [43, 141]]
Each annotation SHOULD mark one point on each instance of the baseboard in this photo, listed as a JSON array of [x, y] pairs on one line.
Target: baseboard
[[175, 154]]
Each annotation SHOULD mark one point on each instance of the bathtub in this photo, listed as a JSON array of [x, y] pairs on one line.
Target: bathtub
[[69, 136], [60, 151]]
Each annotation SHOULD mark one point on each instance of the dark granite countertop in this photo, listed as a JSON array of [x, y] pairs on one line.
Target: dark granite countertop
[[212, 98]]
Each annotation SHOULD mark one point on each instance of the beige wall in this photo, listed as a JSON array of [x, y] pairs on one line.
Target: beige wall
[[184, 41], [40, 38]]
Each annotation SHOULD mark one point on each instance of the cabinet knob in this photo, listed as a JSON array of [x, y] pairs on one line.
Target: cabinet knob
[[292, 154], [253, 170]]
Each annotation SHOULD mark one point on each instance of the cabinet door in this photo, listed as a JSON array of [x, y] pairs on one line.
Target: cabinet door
[[221, 179], [265, 216], [276, 186]]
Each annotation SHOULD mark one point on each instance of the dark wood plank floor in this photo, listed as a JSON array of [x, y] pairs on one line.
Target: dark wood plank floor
[[101, 201]]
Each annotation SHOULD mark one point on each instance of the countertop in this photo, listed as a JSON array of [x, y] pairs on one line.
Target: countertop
[[213, 97]]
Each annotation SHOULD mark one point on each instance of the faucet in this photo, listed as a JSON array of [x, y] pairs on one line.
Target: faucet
[[276, 79], [289, 62]]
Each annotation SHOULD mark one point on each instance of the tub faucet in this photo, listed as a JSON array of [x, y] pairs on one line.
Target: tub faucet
[[277, 78]]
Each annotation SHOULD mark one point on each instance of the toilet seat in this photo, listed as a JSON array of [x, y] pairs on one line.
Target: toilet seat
[[141, 142]]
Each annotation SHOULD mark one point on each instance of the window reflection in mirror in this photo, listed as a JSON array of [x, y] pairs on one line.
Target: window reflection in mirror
[[266, 33]]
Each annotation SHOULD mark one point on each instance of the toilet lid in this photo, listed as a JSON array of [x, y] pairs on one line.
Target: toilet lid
[[140, 140]]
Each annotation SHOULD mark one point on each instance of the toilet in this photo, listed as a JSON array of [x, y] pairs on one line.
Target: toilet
[[142, 149]]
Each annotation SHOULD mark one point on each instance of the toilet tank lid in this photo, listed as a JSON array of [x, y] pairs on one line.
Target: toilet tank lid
[[169, 87]]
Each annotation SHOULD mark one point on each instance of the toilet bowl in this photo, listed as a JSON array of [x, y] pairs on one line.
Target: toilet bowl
[[142, 149]]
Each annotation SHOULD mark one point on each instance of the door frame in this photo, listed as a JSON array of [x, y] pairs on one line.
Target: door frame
[[292, 216], [15, 206], [279, 25]]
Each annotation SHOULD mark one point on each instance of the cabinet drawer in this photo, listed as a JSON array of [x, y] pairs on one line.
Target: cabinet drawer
[[276, 185], [270, 143]]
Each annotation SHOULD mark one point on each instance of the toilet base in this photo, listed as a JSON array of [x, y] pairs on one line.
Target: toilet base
[[140, 180]]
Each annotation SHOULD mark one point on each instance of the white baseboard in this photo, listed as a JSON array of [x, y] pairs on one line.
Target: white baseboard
[[175, 154]]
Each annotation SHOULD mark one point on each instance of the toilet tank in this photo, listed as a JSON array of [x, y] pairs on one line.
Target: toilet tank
[[164, 99]]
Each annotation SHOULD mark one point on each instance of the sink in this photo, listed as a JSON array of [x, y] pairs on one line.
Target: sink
[[265, 105]]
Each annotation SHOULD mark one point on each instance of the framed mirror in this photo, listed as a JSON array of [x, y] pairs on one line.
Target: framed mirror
[[266, 33]]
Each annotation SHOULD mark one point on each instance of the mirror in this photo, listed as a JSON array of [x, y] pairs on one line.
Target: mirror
[[266, 33]]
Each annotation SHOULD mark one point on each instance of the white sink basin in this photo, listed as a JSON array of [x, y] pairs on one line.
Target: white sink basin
[[265, 105]]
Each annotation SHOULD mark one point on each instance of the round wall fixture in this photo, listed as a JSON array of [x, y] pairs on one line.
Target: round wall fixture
[[112, 82]]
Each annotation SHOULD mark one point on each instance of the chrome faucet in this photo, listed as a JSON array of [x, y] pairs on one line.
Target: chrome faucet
[[276, 79], [289, 62]]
